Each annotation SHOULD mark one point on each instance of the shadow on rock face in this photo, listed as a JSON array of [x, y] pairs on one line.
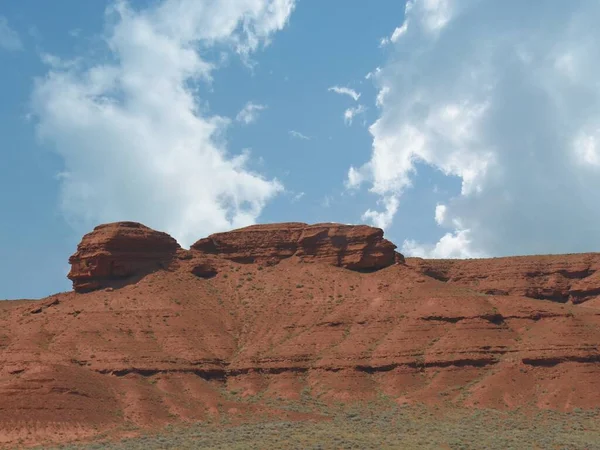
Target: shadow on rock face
[[121, 253], [117, 254], [204, 270]]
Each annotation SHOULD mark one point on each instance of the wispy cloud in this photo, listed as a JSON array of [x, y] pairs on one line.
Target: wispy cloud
[[249, 113], [135, 143], [9, 38], [345, 91], [351, 113], [297, 197], [327, 201], [297, 135], [373, 73], [398, 32]]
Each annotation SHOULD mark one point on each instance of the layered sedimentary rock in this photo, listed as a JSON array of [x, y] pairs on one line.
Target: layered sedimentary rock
[[213, 334], [117, 251], [167, 347], [120, 252], [355, 247], [562, 278]]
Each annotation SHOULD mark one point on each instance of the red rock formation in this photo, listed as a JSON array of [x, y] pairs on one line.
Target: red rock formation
[[574, 278], [355, 247], [117, 251], [166, 347]]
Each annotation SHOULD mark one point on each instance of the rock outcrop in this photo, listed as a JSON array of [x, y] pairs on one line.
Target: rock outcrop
[[354, 247], [118, 251], [214, 333], [571, 278], [169, 346]]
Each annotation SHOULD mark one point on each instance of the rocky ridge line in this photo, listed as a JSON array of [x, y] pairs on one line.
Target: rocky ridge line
[[119, 253], [573, 278]]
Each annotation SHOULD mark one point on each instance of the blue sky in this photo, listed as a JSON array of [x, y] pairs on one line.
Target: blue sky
[[463, 128]]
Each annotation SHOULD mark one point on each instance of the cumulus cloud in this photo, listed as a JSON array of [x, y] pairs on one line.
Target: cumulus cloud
[[383, 219], [136, 140], [249, 113], [9, 38], [297, 135], [505, 96], [345, 91], [451, 245]]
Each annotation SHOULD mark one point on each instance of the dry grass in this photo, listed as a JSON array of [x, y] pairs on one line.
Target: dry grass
[[381, 426]]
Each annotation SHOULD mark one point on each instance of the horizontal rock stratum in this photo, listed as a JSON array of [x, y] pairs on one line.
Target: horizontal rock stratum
[[354, 247], [285, 311], [115, 252], [118, 251], [571, 278]]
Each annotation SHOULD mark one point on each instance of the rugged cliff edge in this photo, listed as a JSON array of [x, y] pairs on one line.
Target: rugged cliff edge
[[354, 247], [121, 252], [571, 278], [154, 334], [117, 251]]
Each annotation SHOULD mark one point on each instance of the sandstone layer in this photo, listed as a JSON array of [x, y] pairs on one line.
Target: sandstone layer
[[211, 334], [573, 278], [355, 247], [117, 251]]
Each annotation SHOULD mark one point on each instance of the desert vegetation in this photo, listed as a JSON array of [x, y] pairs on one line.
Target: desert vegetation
[[376, 425]]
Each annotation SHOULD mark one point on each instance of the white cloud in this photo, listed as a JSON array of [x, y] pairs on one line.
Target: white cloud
[[137, 143], [345, 91], [586, 147], [58, 63], [381, 95], [383, 219], [297, 135], [9, 38], [440, 214], [297, 197], [351, 113], [504, 96], [327, 201], [373, 73], [249, 113], [355, 178], [451, 245], [398, 32], [434, 14]]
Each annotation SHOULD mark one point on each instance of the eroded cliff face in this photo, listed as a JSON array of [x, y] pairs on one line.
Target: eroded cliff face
[[118, 251], [354, 247], [571, 278], [273, 312]]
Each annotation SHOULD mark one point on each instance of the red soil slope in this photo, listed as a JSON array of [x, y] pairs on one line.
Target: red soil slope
[[157, 333]]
